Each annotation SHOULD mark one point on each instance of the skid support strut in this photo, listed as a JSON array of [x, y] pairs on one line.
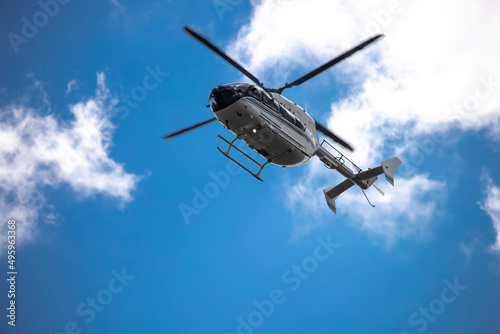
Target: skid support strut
[[226, 153]]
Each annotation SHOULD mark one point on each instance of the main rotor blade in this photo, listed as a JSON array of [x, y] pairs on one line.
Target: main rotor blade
[[224, 56], [332, 62], [174, 134], [324, 130]]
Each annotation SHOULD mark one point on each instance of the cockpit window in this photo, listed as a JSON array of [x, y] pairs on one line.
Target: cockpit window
[[223, 96], [271, 103], [255, 93], [215, 107]]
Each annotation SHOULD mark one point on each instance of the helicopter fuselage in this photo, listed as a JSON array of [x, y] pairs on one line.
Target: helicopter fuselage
[[273, 126], [279, 130]]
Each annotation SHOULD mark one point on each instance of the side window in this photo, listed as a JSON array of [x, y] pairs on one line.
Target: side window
[[255, 93], [300, 125], [271, 103], [291, 118]]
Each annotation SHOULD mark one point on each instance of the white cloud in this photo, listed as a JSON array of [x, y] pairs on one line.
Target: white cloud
[[491, 205], [469, 246], [437, 66], [39, 150], [404, 210], [435, 70], [72, 85]]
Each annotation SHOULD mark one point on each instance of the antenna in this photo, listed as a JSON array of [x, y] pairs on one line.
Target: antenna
[[367, 198]]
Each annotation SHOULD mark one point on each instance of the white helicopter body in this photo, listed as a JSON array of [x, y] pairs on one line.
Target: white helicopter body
[[276, 128], [280, 131]]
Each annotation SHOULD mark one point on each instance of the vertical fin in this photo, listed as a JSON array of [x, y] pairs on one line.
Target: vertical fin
[[330, 202], [389, 167]]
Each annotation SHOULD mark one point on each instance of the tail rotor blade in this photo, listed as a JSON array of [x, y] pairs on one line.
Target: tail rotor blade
[[324, 130], [177, 133], [379, 190], [224, 56]]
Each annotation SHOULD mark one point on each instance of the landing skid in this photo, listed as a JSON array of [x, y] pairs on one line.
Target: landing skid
[[226, 153]]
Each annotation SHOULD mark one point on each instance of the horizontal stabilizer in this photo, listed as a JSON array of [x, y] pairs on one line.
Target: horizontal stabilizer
[[387, 167], [332, 193], [364, 179]]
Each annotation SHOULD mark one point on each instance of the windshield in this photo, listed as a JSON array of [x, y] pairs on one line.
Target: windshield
[[213, 104], [223, 96]]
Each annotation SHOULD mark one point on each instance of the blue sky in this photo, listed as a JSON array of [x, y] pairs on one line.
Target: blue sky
[[102, 245]]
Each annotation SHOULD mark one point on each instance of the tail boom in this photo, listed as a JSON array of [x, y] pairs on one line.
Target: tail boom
[[363, 179]]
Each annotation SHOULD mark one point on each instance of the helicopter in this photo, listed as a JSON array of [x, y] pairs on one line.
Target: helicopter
[[280, 131]]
